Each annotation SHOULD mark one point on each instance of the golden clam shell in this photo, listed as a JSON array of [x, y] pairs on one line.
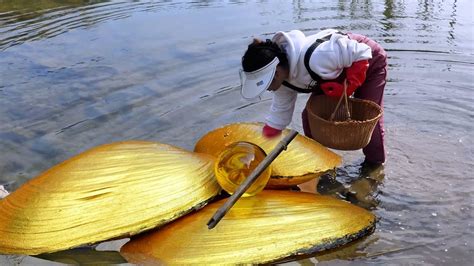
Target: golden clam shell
[[269, 226], [113, 190], [303, 160]]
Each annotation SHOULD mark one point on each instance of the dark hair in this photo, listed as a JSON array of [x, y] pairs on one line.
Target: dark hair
[[260, 53]]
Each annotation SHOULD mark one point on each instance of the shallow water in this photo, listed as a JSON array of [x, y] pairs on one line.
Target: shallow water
[[82, 73]]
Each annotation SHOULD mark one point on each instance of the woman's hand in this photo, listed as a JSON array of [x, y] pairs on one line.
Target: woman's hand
[[270, 132], [356, 75], [332, 89]]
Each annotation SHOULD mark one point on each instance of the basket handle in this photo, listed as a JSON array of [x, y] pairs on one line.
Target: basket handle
[[344, 95]]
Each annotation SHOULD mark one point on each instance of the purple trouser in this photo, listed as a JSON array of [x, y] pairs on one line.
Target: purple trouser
[[372, 89]]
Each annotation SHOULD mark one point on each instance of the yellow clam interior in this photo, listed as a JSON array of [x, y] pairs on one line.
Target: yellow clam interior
[[126, 188], [303, 160], [113, 190], [269, 226]]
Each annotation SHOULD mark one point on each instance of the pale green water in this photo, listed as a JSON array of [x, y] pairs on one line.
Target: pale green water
[[76, 74]]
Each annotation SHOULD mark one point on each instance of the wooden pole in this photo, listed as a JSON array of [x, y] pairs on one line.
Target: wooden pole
[[282, 145]]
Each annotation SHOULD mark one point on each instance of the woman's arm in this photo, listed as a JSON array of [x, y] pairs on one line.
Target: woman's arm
[[282, 108], [331, 57]]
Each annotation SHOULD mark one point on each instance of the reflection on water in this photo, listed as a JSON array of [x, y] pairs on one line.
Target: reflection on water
[[76, 74], [26, 20]]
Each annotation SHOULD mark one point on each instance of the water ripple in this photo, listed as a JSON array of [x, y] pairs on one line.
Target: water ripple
[[18, 27]]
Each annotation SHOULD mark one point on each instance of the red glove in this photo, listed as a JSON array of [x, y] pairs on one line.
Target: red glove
[[332, 89], [355, 75], [270, 132]]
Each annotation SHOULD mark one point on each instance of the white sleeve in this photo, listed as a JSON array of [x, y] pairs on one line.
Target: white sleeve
[[282, 108], [331, 57]]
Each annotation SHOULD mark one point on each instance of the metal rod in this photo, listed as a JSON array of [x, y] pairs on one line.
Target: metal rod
[[282, 145]]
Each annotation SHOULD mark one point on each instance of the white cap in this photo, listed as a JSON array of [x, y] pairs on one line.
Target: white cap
[[256, 82]]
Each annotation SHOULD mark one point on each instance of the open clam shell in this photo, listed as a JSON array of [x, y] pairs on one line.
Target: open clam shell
[[269, 226], [113, 190], [304, 158]]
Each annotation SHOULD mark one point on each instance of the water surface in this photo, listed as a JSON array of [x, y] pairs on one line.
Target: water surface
[[77, 74]]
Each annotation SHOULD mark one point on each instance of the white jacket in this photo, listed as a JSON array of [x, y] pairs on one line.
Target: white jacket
[[328, 61]]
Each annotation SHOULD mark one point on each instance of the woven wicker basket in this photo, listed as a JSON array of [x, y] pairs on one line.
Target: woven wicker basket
[[349, 128]]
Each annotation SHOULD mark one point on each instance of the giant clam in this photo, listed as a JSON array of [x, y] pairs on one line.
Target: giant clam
[[110, 191], [303, 160], [269, 226]]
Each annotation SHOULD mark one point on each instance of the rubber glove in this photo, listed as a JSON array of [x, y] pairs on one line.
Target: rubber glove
[[332, 89], [356, 75], [270, 132]]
